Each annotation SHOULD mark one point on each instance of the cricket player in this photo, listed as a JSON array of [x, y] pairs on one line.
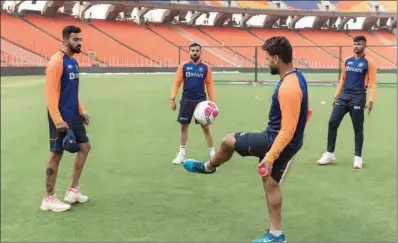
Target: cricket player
[[350, 97], [65, 113], [281, 140], [194, 75]]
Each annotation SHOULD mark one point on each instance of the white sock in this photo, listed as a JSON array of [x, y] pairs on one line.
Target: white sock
[[212, 150], [276, 233], [182, 149], [206, 169]]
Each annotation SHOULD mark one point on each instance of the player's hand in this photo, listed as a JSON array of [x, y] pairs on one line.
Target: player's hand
[[334, 101], [61, 126], [369, 107], [86, 119], [173, 105], [265, 168]]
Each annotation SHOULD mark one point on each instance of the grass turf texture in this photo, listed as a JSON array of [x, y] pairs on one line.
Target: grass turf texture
[[137, 195]]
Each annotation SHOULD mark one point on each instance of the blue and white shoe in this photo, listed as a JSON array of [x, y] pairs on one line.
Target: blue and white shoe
[[195, 166], [268, 237]]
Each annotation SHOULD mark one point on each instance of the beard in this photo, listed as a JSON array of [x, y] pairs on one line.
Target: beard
[[76, 50], [195, 58], [273, 70]]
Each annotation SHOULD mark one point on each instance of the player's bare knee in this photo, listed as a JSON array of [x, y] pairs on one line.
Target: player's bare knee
[[184, 127], [206, 129], [55, 158], [270, 184], [228, 141], [85, 148]]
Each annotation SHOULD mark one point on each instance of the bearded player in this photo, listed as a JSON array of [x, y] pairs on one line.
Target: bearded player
[[350, 97], [65, 111], [281, 140], [196, 77]]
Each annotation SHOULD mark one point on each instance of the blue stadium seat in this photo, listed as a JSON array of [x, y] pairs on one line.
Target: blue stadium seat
[[306, 5]]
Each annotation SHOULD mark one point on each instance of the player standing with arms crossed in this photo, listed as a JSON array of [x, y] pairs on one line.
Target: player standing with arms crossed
[[282, 139], [350, 97], [65, 112], [194, 75]]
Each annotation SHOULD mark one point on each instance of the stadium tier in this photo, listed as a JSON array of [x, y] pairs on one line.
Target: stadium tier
[[127, 44]]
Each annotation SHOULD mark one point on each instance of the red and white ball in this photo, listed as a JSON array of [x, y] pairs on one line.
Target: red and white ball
[[206, 112]]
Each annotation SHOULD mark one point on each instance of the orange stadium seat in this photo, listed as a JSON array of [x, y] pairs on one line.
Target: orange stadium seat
[[304, 51], [390, 5], [254, 4], [39, 42], [93, 40], [142, 40], [182, 42]]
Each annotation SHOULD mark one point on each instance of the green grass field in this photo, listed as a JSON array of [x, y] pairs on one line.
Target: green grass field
[[137, 195]]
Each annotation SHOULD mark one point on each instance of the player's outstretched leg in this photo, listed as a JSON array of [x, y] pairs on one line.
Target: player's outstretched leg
[[222, 155], [73, 194], [183, 141], [50, 201], [209, 140]]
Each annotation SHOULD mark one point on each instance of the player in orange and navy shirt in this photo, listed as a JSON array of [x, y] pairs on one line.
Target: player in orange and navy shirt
[[281, 140], [359, 75], [65, 114], [196, 78]]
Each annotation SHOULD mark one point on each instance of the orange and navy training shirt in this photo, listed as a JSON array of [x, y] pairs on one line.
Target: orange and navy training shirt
[[194, 78], [358, 75], [288, 114], [62, 88]]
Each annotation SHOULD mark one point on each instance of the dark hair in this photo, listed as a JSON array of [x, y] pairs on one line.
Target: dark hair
[[279, 46], [69, 30], [360, 38], [195, 44]]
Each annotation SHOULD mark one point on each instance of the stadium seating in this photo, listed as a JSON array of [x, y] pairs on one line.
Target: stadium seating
[[114, 54], [126, 44], [38, 43]]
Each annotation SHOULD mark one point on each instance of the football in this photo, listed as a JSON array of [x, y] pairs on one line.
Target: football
[[206, 112]]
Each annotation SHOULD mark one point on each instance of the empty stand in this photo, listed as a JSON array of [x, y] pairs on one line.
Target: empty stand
[[305, 53], [107, 50], [32, 39], [142, 40], [21, 56]]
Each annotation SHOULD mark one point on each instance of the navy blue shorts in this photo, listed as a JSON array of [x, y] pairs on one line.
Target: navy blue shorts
[[187, 107], [56, 137], [258, 144]]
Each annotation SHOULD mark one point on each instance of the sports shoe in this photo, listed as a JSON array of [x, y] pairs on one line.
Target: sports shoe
[[73, 195], [358, 162], [268, 237], [195, 166], [178, 159], [327, 158], [51, 203]]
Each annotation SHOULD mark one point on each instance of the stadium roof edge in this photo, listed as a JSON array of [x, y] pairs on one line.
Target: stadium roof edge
[[235, 10]]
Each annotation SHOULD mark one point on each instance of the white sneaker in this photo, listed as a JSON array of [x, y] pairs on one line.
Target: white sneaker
[[73, 195], [51, 203], [358, 162], [179, 159], [327, 158]]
